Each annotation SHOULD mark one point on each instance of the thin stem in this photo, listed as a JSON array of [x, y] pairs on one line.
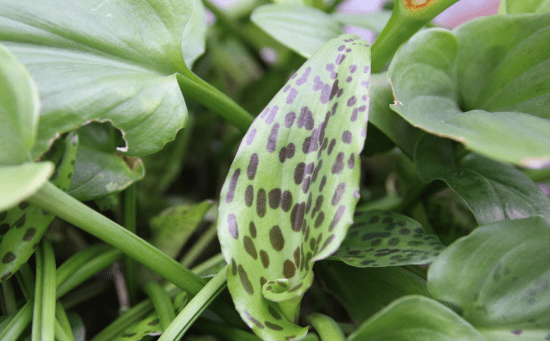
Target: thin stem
[[8, 297], [37, 311], [63, 320], [327, 328], [60, 333], [204, 93], [195, 307], [209, 264], [162, 303], [18, 324], [199, 246], [48, 293], [129, 213], [25, 278]]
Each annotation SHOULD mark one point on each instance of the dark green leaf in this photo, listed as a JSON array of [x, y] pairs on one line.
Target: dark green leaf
[[19, 106], [499, 278], [291, 191], [485, 85], [364, 292], [494, 191], [382, 238]]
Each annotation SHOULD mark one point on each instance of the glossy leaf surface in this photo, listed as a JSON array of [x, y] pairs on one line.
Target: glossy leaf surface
[[106, 61], [290, 194], [382, 238], [525, 6], [416, 318], [494, 191], [365, 292], [19, 106], [499, 277], [468, 86]]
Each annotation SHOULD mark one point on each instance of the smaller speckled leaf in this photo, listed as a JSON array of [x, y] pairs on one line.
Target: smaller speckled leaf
[[148, 326], [381, 238], [290, 194], [22, 227]]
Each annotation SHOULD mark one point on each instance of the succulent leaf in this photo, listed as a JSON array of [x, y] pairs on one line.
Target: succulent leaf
[[290, 194]]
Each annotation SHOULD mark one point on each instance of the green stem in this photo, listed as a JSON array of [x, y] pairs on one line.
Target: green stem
[[73, 211], [8, 297], [199, 246], [63, 320], [48, 293], [25, 278], [326, 327], [195, 307], [38, 292], [60, 333], [162, 303], [204, 93], [18, 324], [129, 213]]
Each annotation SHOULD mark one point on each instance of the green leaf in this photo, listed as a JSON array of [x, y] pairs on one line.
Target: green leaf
[[291, 191], [106, 61], [193, 42], [494, 191], [499, 277], [18, 183], [19, 106], [525, 6], [413, 318], [148, 326], [175, 225], [300, 28], [485, 85], [382, 238], [366, 291], [100, 170]]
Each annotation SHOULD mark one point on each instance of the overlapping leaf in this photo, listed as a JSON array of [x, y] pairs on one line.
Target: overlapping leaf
[[382, 238], [494, 191], [107, 61], [416, 318], [524, 6], [468, 85], [499, 277], [291, 191]]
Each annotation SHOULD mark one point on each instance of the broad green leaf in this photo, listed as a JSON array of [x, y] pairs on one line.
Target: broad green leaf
[[382, 238], [484, 85], [371, 21], [100, 170], [524, 6], [105, 61], [193, 42], [19, 106], [499, 278], [291, 191], [364, 292], [416, 318], [300, 28], [175, 225], [19, 182], [494, 191], [22, 227]]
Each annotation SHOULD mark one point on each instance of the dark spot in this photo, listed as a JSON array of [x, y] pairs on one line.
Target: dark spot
[[352, 68], [306, 184], [22, 206], [319, 220], [21, 221], [5, 276], [286, 202], [276, 238], [302, 80], [250, 137], [327, 242], [273, 326], [335, 89], [393, 241], [249, 195], [129, 334], [252, 166], [232, 185], [8, 257], [244, 280], [297, 216], [296, 287], [263, 280], [323, 183], [340, 58], [287, 152], [414, 243], [252, 229], [3, 215], [272, 115], [346, 137], [272, 139], [351, 101], [404, 231], [351, 161], [368, 262], [249, 247], [299, 173], [289, 269], [291, 96], [341, 48], [154, 322], [331, 146], [233, 267], [264, 258], [296, 255], [233, 228], [274, 198], [253, 320], [374, 219], [517, 332], [338, 193], [372, 235], [387, 220], [318, 203], [337, 217], [29, 234], [338, 165], [289, 119], [309, 201], [316, 171], [260, 203], [274, 312], [349, 79], [4, 228]]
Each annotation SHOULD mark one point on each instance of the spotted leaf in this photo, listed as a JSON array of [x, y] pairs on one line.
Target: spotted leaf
[[381, 238], [136, 332], [22, 227], [290, 194]]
